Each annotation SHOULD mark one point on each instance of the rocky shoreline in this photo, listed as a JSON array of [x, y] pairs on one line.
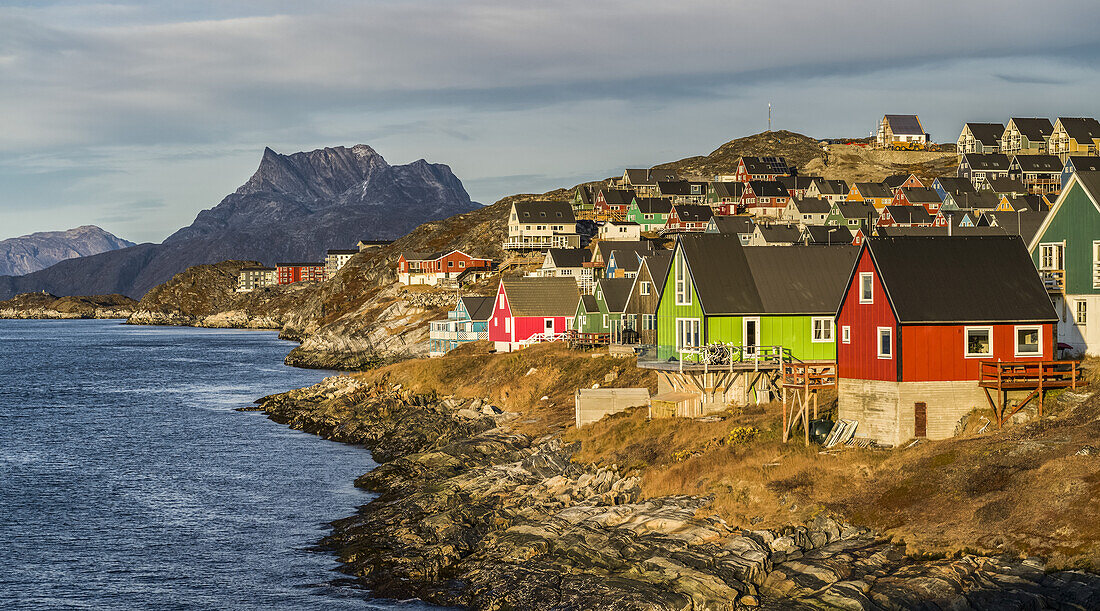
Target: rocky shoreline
[[44, 306], [472, 514]]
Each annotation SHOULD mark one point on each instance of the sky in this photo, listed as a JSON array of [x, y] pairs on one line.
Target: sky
[[134, 116]]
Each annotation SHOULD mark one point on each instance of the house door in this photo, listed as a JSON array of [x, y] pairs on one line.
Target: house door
[[549, 326], [615, 326], [751, 336], [920, 420]]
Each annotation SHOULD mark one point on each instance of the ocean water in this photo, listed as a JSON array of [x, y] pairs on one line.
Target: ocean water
[[128, 481]]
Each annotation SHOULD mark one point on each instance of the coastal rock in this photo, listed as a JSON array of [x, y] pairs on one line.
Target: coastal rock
[[46, 306]]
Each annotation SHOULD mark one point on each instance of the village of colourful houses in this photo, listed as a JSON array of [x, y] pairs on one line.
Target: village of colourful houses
[[917, 301]]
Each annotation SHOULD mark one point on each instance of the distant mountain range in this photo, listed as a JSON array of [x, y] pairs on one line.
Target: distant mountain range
[[36, 251], [292, 209]]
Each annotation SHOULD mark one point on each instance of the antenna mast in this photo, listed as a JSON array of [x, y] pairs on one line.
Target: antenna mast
[[769, 116]]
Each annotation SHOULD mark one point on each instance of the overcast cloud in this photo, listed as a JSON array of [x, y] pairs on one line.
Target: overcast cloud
[[135, 116]]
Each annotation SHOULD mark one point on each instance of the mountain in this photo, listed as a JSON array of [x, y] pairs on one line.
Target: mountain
[[293, 208], [36, 251]]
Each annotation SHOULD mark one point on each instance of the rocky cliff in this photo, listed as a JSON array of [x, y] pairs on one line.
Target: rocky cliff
[[30, 253], [293, 208], [44, 305]]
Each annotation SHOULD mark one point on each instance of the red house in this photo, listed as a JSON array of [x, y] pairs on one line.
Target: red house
[[918, 196], [612, 204], [689, 217], [920, 315], [530, 310], [289, 273], [761, 168], [437, 267]]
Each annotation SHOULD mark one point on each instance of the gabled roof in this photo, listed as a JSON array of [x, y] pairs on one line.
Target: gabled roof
[[638, 176], [824, 234], [989, 134], [541, 296], [729, 189], [680, 187], [832, 187], [479, 308], [856, 210], [908, 125], [569, 257], [982, 200], [410, 255], [615, 292], [1033, 128], [895, 180], [1027, 202], [960, 279], [544, 212], [693, 212], [588, 304], [653, 205], [1038, 163], [1082, 163], [628, 259], [921, 195], [766, 165], [897, 232], [1004, 184], [987, 161], [909, 214], [658, 264], [874, 189], [794, 183], [606, 247], [955, 184], [1081, 129], [812, 205], [731, 279], [342, 251], [301, 264], [779, 234], [618, 197], [768, 188], [739, 223]]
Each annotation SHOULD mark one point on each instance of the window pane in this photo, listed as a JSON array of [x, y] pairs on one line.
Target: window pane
[[1027, 341], [977, 341]]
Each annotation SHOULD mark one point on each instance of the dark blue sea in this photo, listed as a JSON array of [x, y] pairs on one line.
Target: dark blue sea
[[128, 481]]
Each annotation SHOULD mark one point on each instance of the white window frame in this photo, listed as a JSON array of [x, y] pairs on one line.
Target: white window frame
[[1096, 264], [605, 320], [966, 343], [682, 280], [869, 278], [1016, 340], [827, 330], [846, 334], [888, 332], [1081, 312], [690, 326], [507, 325], [643, 287], [1057, 253]]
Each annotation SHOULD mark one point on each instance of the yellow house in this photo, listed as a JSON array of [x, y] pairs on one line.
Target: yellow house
[[1075, 136], [875, 193], [1026, 136]]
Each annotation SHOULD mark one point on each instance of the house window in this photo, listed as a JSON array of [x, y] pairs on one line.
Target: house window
[[507, 325], [979, 341], [605, 320], [885, 343], [644, 288], [687, 333], [823, 330], [1081, 311], [866, 287], [683, 281], [649, 322], [1096, 264], [462, 264], [846, 334], [1050, 256], [1029, 341]]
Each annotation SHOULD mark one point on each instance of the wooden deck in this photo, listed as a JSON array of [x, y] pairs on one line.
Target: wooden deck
[[577, 339], [801, 382], [1034, 376]]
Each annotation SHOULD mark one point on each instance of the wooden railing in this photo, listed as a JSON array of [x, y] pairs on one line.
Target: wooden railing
[[809, 375], [1036, 377], [578, 338]]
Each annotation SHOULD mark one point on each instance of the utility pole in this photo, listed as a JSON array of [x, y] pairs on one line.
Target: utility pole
[[769, 116]]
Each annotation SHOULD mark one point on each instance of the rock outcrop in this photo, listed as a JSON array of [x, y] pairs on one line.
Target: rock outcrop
[[37, 251], [46, 306], [471, 514]]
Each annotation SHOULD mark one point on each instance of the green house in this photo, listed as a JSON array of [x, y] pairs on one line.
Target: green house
[[751, 297], [603, 311], [1066, 251], [649, 212]]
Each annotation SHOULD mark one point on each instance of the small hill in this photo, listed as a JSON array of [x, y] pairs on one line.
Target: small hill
[[799, 149], [45, 305]]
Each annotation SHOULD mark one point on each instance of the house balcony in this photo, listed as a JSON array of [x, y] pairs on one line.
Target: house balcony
[[570, 240], [1054, 280], [446, 330]]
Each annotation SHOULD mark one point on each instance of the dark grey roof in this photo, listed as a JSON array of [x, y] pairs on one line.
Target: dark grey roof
[[794, 183], [680, 187], [961, 279], [780, 234], [1082, 163], [257, 268], [544, 212], [589, 305], [729, 189], [638, 176], [1033, 128], [921, 195], [1004, 184], [541, 296], [857, 210], [659, 175], [1081, 129], [301, 264], [731, 279], [955, 184], [615, 292], [693, 212], [412, 255], [342, 251], [982, 200], [479, 308], [812, 205], [569, 257], [895, 232], [618, 197], [825, 234], [905, 124], [766, 165], [628, 259], [832, 187], [1038, 163], [739, 223], [909, 214], [653, 205], [989, 134], [658, 264], [895, 180], [1027, 202], [605, 247], [768, 188], [987, 161], [874, 189]]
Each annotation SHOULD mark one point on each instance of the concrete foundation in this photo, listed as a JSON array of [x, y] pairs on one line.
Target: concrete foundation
[[592, 404], [886, 411]]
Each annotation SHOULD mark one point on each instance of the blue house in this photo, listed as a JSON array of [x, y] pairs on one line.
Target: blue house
[[1078, 163], [468, 322]]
